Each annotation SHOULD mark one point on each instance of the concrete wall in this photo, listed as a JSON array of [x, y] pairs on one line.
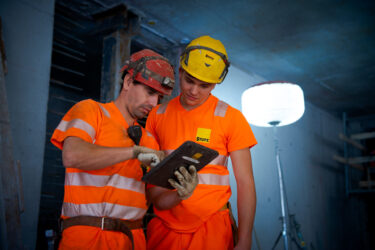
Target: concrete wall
[[27, 30], [314, 182]]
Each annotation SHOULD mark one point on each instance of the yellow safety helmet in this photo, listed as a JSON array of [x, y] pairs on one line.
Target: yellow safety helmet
[[206, 59]]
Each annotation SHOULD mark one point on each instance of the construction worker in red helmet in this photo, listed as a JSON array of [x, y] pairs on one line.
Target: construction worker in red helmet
[[200, 218], [102, 150]]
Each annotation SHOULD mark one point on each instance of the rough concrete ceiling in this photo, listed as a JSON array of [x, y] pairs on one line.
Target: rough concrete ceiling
[[327, 47]]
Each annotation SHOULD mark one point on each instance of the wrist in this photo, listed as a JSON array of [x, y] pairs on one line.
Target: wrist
[[180, 197], [184, 197], [136, 151]]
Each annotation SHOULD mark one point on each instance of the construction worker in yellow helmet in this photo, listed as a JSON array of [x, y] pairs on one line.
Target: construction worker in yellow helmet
[[198, 216]]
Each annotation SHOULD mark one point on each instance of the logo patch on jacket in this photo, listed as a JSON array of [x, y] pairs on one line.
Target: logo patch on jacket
[[203, 135]]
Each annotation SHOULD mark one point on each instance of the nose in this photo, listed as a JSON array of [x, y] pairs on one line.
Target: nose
[[194, 89], [153, 100]]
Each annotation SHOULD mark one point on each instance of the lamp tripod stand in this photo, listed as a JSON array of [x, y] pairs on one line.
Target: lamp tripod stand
[[276, 104], [290, 227]]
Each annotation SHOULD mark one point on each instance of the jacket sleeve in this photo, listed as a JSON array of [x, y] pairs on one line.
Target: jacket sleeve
[[82, 121]]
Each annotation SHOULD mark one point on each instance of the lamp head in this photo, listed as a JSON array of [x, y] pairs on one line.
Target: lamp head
[[271, 104]]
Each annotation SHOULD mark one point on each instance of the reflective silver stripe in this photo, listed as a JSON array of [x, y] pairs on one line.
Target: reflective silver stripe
[[149, 134], [162, 108], [221, 160], [77, 123], [117, 181], [221, 108], [106, 113], [103, 209], [213, 179]]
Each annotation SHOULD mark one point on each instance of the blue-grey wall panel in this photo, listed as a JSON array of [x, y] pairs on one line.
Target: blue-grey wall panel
[[28, 29]]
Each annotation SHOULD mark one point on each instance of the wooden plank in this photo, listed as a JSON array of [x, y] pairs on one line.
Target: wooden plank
[[2, 51], [345, 161], [352, 142], [8, 173], [20, 187], [354, 160], [366, 184], [361, 159], [363, 136]]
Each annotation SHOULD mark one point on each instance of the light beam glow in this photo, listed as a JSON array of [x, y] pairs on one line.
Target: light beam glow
[[273, 104]]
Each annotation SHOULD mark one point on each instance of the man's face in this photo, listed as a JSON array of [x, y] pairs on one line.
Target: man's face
[[193, 91], [141, 99]]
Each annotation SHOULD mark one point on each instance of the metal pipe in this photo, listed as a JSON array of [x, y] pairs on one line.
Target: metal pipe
[[67, 69], [68, 48], [69, 20], [361, 191], [70, 36], [53, 81], [284, 209], [344, 121], [69, 55]]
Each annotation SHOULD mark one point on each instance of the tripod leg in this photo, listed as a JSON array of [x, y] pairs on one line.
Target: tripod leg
[[297, 244], [277, 241], [296, 229]]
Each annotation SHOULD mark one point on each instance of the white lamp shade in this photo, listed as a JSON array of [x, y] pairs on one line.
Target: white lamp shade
[[273, 103]]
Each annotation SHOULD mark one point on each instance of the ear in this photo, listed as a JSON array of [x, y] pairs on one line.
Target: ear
[[213, 86], [180, 72], [127, 81]]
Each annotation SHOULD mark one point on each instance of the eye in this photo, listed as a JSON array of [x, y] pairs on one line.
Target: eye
[[150, 91], [160, 96], [189, 80]]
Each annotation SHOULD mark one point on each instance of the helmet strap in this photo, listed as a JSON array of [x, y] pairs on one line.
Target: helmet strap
[[140, 66]]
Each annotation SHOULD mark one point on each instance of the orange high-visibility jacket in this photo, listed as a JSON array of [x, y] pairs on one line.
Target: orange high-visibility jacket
[[214, 124], [115, 191]]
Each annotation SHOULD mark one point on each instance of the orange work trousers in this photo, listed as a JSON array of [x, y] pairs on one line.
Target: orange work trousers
[[215, 233], [86, 237]]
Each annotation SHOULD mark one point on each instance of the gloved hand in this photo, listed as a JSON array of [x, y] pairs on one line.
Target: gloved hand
[[148, 156], [149, 159], [187, 181]]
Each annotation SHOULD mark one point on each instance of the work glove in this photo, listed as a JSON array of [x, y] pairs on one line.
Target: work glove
[[187, 181], [149, 159], [148, 156]]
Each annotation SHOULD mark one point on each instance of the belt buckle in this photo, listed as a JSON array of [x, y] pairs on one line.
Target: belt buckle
[[102, 226]]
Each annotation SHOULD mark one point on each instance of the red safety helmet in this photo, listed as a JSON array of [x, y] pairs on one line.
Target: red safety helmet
[[151, 69]]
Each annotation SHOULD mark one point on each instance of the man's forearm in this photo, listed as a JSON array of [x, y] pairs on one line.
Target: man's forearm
[[80, 154], [163, 198], [246, 196], [246, 204]]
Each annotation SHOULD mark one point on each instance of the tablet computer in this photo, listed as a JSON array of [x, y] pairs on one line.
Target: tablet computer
[[189, 153]]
